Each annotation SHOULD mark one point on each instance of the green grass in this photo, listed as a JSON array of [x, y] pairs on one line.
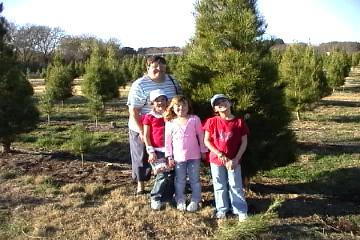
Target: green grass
[[316, 167]]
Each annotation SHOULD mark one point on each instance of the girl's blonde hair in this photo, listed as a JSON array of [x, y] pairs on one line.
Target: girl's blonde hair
[[178, 99]]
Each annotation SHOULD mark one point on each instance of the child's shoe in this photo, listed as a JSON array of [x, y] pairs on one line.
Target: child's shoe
[[192, 207], [156, 205], [181, 206], [242, 217]]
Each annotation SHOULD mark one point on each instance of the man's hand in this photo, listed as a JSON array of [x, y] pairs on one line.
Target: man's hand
[[152, 157]]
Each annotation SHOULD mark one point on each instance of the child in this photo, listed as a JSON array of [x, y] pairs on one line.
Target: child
[[154, 130], [184, 144], [226, 138]]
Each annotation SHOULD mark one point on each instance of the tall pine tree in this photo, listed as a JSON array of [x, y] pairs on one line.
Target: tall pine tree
[[337, 67], [301, 72], [99, 80], [59, 79], [18, 113], [227, 55]]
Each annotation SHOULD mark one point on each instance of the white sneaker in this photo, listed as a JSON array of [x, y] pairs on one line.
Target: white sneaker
[[242, 217], [181, 206], [192, 207], [156, 205]]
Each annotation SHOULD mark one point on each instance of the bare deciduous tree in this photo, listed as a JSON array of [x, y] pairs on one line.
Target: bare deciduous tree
[[30, 40]]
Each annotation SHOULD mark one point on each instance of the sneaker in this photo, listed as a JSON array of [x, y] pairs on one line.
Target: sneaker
[[156, 205], [181, 206], [220, 215], [242, 217], [192, 207]]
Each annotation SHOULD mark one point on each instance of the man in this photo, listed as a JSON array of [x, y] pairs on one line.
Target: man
[[139, 104]]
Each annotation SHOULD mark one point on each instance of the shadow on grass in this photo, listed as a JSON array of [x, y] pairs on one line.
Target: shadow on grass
[[346, 119], [114, 152], [339, 103], [76, 117], [334, 193], [331, 149], [12, 202], [76, 100]]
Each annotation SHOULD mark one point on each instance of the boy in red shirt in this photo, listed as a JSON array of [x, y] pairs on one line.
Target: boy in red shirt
[[226, 138], [154, 135]]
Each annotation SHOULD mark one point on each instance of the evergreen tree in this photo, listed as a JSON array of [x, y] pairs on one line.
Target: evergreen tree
[[47, 105], [138, 70], [337, 67], [301, 72], [98, 79], [126, 74], [96, 109], [58, 82], [18, 113], [355, 59], [227, 55], [81, 141], [114, 66]]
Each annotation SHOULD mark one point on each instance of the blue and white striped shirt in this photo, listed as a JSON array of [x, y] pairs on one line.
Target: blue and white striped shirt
[[140, 90]]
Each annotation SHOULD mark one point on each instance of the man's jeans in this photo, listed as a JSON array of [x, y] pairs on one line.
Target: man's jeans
[[163, 189], [228, 190], [191, 169]]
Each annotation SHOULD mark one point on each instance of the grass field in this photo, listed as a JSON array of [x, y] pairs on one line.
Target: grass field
[[45, 192]]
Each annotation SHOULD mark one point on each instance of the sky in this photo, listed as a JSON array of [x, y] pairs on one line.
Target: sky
[[163, 23]]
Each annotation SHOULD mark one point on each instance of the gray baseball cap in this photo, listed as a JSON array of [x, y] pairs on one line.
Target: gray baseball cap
[[217, 97]]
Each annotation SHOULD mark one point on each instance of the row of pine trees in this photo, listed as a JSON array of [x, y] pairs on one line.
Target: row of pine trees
[[228, 54]]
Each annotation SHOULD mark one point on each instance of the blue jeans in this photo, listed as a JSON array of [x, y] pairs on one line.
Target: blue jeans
[[163, 189], [191, 169], [228, 190]]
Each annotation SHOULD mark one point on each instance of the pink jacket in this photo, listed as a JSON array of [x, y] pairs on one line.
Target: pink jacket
[[184, 142]]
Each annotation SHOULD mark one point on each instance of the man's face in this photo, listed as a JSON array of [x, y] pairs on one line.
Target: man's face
[[156, 71]]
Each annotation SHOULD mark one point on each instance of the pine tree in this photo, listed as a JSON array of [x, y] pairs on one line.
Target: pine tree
[[81, 141], [96, 109], [114, 66], [355, 59], [337, 67], [98, 79], [18, 113], [227, 55], [58, 82], [301, 72], [47, 105]]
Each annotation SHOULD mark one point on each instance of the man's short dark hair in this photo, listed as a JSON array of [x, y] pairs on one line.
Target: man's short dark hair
[[156, 58]]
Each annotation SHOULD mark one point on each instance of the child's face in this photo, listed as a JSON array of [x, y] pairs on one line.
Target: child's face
[[159, 104], [181, 109], [222, 105]]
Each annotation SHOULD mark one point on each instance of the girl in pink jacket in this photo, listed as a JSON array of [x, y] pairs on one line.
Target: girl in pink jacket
[[184, 144]]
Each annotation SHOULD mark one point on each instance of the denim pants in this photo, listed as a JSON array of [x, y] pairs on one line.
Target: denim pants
[[191, 169], [163, 189], [228, 189]]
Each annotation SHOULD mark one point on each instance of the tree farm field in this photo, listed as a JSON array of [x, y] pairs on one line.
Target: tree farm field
[[47, 193]]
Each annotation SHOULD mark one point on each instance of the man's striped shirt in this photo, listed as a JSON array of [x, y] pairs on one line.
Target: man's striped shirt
[[140, 90]]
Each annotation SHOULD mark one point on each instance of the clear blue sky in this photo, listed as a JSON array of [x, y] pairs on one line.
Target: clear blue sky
[[159, 23]]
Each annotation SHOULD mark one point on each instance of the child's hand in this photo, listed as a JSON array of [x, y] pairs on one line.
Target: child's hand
[[231, 164], [152, 157], [171, 162], [203, 156], [223, 158]]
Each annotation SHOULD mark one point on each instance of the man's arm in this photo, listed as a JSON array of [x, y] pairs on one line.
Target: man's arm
[[134, 116]]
